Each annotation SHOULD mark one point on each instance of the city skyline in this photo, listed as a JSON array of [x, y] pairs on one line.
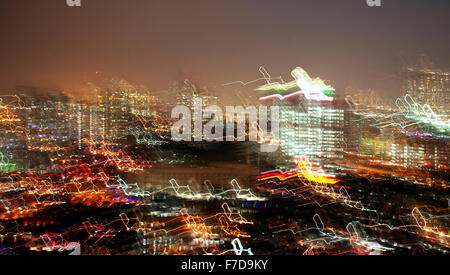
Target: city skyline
[[226, 128]]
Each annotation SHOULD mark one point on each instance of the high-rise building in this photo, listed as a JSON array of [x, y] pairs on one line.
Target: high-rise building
[[314, 130], [46, 114], [188, 92], [112, 114], [427, 86]]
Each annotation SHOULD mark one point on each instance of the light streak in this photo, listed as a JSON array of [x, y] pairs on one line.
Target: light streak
[[314, 175], [305, 169], [312, 89]]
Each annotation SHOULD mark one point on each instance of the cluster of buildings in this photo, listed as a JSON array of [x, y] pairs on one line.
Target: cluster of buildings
[[412, 134], [48, 120], [428, 86], [324, 132]]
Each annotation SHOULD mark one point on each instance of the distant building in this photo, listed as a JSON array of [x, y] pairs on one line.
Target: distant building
[[430, 87], [111, 117], [188, 92], [46, 115]]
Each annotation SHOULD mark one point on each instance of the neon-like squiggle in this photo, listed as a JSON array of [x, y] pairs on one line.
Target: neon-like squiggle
[[312, 89], [314, 174], [305, 169], [319, 97]]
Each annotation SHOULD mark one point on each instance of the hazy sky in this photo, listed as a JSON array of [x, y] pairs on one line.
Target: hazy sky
[[49, 44]]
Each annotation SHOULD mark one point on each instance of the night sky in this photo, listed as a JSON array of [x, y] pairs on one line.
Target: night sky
[[48, 44]]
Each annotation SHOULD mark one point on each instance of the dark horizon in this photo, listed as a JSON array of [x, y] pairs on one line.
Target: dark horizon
[[48, 44]]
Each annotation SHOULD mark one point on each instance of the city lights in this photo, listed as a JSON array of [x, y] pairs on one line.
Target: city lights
[[221, 136]]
